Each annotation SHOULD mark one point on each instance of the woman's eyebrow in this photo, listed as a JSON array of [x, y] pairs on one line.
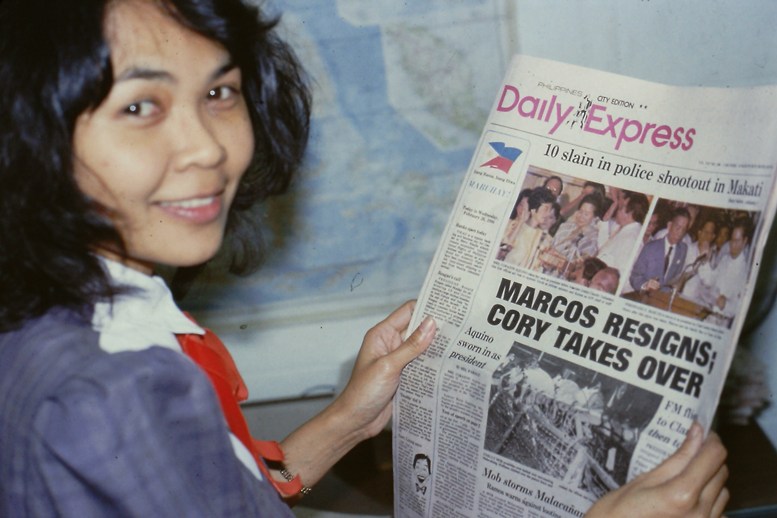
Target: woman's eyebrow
[[161, 75], [145, 73], [224, 69]]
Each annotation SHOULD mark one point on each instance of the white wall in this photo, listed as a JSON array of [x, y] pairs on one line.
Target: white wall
[[697, 42]]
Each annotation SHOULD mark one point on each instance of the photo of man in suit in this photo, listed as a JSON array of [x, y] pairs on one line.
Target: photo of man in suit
[[662, 260]]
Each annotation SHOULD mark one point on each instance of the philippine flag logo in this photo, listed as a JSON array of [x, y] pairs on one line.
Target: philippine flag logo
[[506, 156]]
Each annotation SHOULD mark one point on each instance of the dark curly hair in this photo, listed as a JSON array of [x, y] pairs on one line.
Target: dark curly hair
[[539, 196], [595, 200], [55, 65], [637, 205]]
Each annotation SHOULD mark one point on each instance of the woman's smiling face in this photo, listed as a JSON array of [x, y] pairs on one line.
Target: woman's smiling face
[[585, 214], [162, 156]]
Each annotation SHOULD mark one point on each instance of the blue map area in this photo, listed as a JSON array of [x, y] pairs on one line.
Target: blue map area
[[401, 93]]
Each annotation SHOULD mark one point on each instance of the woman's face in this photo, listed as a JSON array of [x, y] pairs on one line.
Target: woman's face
[[706, 234], [651, 227], [522, 209], [549, 220], [163, 154], [585, 214], [538, 216], [723, 235]]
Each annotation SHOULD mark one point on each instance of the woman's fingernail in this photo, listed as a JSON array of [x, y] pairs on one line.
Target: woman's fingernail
[[427, 325]]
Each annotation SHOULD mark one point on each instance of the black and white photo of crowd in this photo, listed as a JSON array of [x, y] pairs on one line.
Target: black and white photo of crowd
[[566, 421]]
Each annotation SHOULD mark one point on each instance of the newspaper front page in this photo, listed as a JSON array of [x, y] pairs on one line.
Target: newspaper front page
[[589, 289]]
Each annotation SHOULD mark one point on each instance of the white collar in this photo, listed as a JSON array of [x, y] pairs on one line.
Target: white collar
[[144, 317]]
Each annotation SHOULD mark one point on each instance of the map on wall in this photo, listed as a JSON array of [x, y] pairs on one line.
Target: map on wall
[[401, 93]]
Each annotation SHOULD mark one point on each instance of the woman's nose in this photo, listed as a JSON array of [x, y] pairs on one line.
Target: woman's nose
[[199, 143]]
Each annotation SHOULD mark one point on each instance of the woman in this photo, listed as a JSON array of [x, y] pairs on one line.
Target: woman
[[137, 139], [704, 245], [575, 239], [699, 252], [518, 216], [527, 238], [136, 133]]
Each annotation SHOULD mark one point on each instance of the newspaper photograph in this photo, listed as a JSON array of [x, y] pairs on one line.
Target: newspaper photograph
[[589, 290]]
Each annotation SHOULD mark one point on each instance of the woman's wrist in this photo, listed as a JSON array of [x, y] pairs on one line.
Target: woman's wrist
[[317, 445]]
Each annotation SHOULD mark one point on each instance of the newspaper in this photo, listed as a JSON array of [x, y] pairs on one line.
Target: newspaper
[[589, 290]]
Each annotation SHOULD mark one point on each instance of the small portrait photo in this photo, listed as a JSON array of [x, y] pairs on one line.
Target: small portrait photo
[[422, 470]]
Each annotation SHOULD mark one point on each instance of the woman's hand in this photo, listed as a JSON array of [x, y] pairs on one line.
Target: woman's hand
[[367, 398], [364, 407], [688, 484]]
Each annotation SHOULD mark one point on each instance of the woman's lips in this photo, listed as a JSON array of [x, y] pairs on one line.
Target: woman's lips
[[195, 210]]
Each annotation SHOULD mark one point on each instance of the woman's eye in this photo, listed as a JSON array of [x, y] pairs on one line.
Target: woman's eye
[[223, 94], [142, 109]]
